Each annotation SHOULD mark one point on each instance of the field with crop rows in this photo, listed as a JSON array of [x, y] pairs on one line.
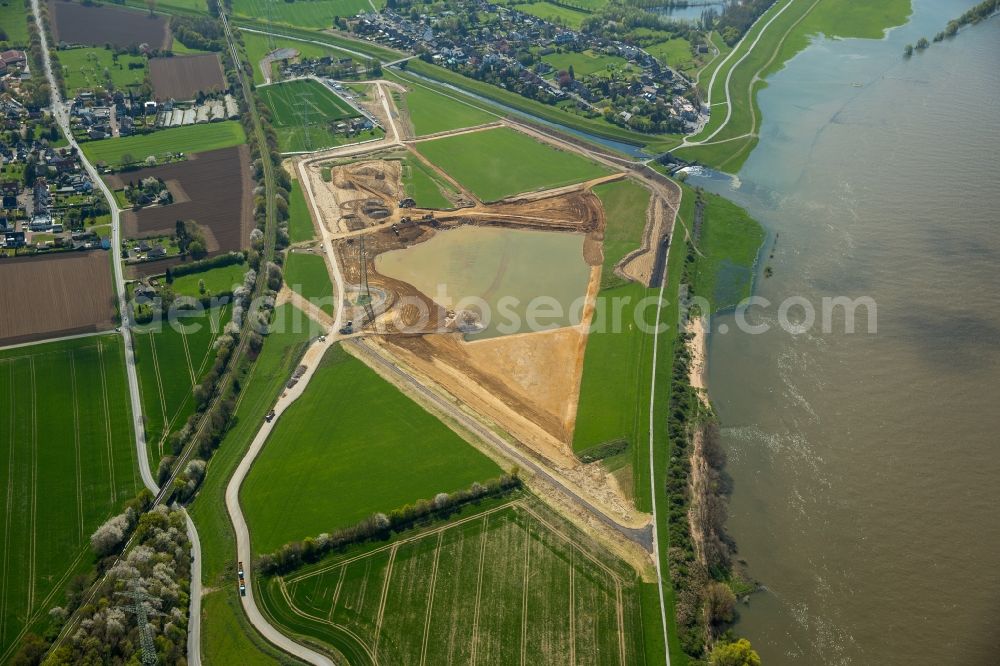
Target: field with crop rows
[[67, 462], [171, 360], [507, 584]]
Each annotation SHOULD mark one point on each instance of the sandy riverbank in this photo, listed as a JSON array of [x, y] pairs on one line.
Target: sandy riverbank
[[698, 372]]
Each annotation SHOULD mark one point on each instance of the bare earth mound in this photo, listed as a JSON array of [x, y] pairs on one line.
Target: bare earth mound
[[61, 294], [183, 77], [98, 25]]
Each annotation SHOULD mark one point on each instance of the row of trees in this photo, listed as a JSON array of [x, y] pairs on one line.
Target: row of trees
[[380, 526], [981, 11], [704, 582]]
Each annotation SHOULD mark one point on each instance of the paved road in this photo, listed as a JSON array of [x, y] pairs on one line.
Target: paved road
[[61, 114]]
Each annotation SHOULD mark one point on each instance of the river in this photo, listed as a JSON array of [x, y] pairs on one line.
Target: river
[[865, 464]]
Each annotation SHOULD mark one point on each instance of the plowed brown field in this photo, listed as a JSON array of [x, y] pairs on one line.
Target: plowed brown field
[[74, 23], [182, 77], [55, 295], [213, 188]]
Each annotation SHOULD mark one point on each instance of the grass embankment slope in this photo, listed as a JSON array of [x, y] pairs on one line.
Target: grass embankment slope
[[187, 139], [300, 224], [227, 637], [788, 34], [352, 445], [497, 163], [171, 358], [67, 463], [308, 275], [431, 111], [84, 69], [499, 583]]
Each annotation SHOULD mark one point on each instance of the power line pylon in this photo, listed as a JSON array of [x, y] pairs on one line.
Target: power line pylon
[[146, 646]]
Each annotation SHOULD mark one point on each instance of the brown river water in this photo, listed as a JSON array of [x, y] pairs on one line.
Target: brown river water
[[866, 465]]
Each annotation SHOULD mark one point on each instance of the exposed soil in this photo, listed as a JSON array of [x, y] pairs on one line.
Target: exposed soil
[[183, 77], [213, 188], [55, 295], [98, 25]]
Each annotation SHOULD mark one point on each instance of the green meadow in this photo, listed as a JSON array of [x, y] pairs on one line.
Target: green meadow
[[431, 111], [316, 14], [497, 163], [584, 63], [352, 445], [425, 186], [89, 68], [300, 225], [219, 280], [67, 463], [14, 23], [307, 275], [187, 139], [304, 114]]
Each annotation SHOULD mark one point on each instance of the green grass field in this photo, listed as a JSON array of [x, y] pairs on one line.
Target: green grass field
[[302, 13], [584, 63], [89, 68], [730, 240], [67, 461], [188, 139], [14, 23], [226, 635], [304, 113], [788, 34], [625, 203], [675, 52], [300, 225], [431, 111], [217, 281], [350, 446], [425, 186], [307, 274], [505, 583], [170, 360], [558, 14], [497, 163]]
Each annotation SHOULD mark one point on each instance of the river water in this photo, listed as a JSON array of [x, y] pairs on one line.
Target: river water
[[865, 465]]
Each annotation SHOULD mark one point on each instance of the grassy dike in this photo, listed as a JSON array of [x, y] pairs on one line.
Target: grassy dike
[[227, 637], [790, 33]]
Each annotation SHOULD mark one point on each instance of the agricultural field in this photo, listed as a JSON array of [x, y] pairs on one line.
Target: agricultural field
[[68, 462], [226, 636], [75, 288], [13, 23], [430, 111], [171, 358], [302, 13], [214, 189], [90, 68], [217, 281], [187, 139], [183, 77], [425, 186], [307, 275], [352, 445], [300, 224], [97, 25], [504, 583], [585, 62], [496, 163]]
